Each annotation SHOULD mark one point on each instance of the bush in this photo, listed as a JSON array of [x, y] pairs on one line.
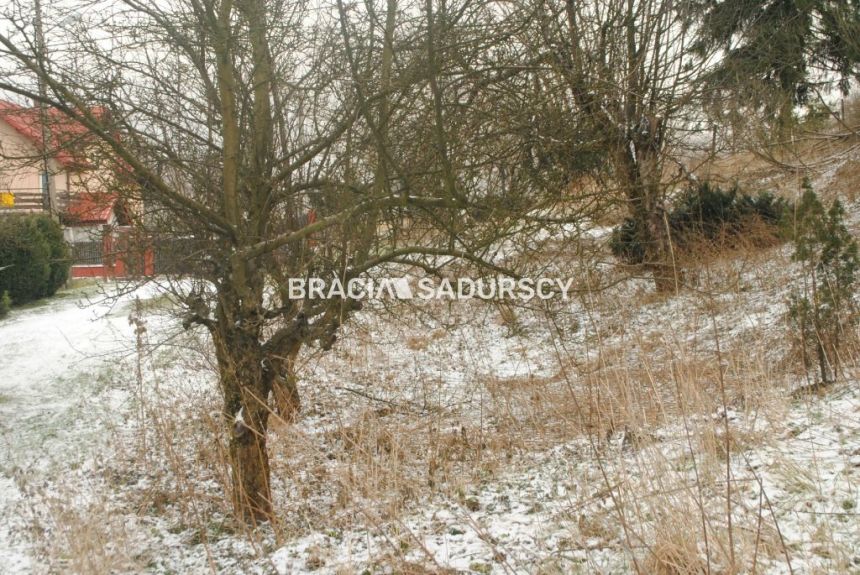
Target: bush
[[823, 310], [710, 214], [625, 243], [60, 253], [34, 257]]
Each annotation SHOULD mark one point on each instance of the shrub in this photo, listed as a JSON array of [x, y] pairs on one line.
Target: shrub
[[625, 243], [34, 256], [707, 213], [60, 253], [823, 309]]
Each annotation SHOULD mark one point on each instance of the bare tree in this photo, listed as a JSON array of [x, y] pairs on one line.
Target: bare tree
[[277, 139], [624, 75], [639, 80]]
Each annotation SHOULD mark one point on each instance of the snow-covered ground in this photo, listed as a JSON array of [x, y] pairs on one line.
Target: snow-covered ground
[[456, 443], [58, 395]]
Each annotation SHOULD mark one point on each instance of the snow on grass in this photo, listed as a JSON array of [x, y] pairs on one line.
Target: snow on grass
[[56, 385], [454, 438], [558, 512]]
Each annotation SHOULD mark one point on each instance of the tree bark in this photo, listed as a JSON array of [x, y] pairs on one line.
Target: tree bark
[[285, 391], [658, 253], [245, 387], [252, 498], [638, 167]]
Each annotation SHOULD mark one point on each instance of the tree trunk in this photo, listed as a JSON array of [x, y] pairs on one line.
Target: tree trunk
[[249, 460], [639, 174], [824, 364], [658, 253], [245, 386], [285, 391]]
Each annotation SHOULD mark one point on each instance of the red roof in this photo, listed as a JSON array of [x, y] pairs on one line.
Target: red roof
[[87, 208], [65, 132]]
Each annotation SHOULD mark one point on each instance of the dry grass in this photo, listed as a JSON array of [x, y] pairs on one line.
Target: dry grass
[[652, 389], [618, 383]]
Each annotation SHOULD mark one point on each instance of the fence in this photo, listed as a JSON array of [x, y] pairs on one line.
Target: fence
[[88, 253], [120, 253]]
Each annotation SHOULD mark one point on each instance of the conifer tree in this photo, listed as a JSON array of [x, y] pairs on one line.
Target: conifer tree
[[823, 309], [777, 53]]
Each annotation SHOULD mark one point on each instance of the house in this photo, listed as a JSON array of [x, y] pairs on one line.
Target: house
[[64, 180]]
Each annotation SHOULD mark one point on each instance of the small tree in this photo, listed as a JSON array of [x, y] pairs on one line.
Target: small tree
[[60, 261], [823, 308]]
